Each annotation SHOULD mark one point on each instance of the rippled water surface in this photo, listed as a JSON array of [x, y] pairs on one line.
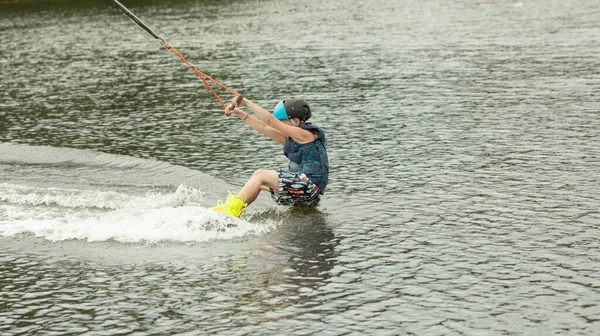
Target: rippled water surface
[[464, 146]]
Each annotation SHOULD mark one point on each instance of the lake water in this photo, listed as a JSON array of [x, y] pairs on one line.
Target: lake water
[[464, 194]]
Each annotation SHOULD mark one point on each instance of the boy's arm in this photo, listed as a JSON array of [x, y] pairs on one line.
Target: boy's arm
[[258, 125], [298, 134]]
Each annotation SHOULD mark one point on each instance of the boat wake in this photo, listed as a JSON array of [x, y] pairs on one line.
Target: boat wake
[[69, 194], [64, 214]]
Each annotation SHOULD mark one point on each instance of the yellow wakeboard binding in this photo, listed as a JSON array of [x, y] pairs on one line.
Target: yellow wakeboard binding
[[234, 206]]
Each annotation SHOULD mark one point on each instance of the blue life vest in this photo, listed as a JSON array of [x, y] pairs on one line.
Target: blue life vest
[[309, 158]]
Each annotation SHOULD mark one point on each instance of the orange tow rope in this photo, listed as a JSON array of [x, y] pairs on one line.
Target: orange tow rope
[[167, 45], [204, 77]]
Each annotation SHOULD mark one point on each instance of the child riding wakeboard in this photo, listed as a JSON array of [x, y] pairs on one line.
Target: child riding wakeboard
[[303, 144]]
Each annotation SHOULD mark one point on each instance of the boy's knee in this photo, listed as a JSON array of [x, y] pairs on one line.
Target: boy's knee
[[267, 177], [264, 174], [260, 173]]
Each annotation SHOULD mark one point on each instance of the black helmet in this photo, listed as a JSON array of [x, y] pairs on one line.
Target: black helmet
[[293, 108]]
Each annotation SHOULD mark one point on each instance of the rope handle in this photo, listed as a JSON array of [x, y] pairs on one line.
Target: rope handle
[[238, 100]]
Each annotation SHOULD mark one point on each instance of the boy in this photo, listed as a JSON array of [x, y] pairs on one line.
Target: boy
[[303, 144]]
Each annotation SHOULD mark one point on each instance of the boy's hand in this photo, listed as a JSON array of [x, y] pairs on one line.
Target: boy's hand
[[238, 101], [229, 110]]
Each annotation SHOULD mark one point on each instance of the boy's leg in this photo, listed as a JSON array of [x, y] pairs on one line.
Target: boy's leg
[[261, 177]]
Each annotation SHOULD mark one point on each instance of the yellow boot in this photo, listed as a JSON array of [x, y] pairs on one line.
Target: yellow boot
[[234, 206]]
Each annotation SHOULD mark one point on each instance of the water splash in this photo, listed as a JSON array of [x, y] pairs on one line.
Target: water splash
[[91, 215]]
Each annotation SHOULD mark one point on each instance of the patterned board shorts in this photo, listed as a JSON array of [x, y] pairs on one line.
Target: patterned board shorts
[[295, 189]]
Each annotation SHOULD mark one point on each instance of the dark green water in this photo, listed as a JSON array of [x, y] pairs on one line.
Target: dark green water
[[463, 196]]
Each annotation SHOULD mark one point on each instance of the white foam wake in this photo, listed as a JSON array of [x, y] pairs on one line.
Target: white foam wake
[[64, 214], [75, 198]]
